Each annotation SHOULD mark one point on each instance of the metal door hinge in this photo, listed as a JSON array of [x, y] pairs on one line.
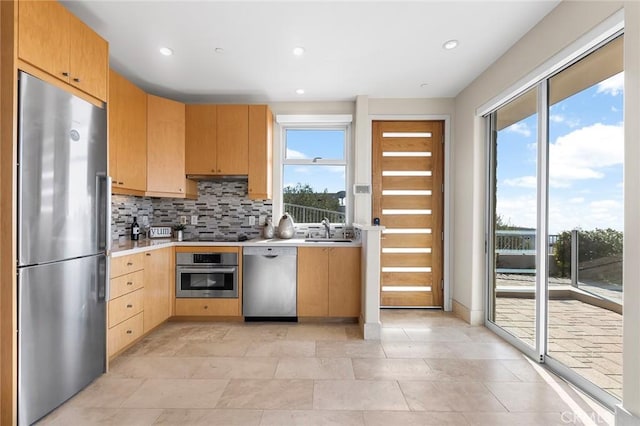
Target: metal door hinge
[[441, 284], [442, 235]]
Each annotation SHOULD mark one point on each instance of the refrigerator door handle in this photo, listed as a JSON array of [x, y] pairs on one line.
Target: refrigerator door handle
[[103, 212]]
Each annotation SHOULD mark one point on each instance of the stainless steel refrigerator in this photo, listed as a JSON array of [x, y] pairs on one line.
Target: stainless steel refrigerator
[[63, 223]]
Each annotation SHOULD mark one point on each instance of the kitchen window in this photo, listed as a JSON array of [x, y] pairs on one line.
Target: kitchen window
[[315, 170]]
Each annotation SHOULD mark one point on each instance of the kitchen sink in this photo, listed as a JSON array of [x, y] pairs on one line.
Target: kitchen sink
[[327, 240]]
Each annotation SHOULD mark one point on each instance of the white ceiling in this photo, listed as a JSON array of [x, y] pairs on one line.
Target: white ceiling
[[383, 49]]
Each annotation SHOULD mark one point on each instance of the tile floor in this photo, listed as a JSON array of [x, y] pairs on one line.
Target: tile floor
[[430, 368]]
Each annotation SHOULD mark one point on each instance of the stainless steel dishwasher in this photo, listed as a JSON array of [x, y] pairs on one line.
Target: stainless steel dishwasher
[[269, 276]]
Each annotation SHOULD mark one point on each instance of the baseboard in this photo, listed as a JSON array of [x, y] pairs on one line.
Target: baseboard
[[370, 330], [625, 418], [466, 314]]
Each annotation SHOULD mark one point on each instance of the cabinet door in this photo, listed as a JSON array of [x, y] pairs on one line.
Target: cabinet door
[[344, 282], [233, 139], [260, 152], [313, 279], [88, 59], [127, 134], [43, 36], [157, 287], [165, 146], [200, 142]]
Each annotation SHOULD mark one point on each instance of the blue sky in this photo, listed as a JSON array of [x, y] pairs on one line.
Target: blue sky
[[585, 162], [308, 144]]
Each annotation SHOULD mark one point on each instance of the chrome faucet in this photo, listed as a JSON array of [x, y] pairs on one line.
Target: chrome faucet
[[327, 227]]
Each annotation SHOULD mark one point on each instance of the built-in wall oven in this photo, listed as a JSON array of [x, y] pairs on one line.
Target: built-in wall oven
[[207, 275]]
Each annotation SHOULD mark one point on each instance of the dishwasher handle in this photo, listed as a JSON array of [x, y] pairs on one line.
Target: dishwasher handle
[[270, 251]]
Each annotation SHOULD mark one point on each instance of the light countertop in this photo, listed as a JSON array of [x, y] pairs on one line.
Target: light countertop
[[125, 247]]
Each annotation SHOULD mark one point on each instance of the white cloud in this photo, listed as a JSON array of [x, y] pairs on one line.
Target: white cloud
[[520, 128], [292, 154], [613, 85], [561, 119], [576, 200], [518, 211], [522, 182], [583, 153]]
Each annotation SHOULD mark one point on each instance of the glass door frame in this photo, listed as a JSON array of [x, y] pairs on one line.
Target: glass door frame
[[539, 353]]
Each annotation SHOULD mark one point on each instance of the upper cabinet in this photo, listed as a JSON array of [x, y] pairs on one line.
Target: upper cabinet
[[200, 139], [224, 140], [260, 152], [232, 138], [127, 136], [217, 140], [165, 147], [53, 40]]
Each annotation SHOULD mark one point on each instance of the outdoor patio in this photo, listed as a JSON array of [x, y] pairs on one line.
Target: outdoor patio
[[582, 336]]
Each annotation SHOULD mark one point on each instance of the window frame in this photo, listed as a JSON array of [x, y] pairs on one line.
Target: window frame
[[340, 122]]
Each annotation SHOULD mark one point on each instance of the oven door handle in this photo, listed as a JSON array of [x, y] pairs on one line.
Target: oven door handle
[[207, 270]]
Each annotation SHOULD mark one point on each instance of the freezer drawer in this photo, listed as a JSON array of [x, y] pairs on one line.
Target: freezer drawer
[[61, 332]]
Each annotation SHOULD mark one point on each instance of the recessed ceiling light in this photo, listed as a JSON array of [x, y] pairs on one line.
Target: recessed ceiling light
[[423, 85], [298, 51], [218, 50], [450, 44], [166, 51], [300, 91]]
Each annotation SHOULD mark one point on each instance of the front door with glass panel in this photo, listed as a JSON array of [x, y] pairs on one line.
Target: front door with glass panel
[[408, 198]]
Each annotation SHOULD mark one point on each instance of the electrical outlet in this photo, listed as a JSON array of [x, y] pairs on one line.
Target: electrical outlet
[[262, 220], [194, 219], [252, 220], [183, 220]]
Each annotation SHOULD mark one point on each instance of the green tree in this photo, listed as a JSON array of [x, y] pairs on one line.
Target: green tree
[[592, 245], [304, 195]]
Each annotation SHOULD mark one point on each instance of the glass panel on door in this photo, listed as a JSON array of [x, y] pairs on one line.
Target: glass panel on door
[[586, 144], [513, 273]]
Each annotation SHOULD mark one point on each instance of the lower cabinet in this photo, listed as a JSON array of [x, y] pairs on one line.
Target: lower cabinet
[[126, 302], [207, 307], [158, 271], [329, 282], [140, 296]]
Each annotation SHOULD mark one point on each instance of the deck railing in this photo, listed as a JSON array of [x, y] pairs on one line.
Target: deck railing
[[305, 214]]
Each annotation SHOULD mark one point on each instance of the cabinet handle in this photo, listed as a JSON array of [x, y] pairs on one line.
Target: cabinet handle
[[129, 282], [120, 183], [129, 264], [129, 331], [180, 189], [148, 254], [65, 74], [129, 306], [76, 79], [206, 307], [218, 170], [213, 170]]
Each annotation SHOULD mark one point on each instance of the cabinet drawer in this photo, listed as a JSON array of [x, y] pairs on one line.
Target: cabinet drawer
[[124, 333], [126, 264], [207, 307], [124, 307], [126, 284]]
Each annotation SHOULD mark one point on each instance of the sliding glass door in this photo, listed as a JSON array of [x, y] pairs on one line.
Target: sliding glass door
[[555, 246]]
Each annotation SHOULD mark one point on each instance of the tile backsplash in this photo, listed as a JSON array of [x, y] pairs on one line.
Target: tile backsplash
[[222, 208]]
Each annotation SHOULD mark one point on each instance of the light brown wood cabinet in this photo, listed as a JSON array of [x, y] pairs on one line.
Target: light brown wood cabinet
[[127, 136], [126, 304], [217, 140], [260, 152], [158, 269], [53, 40], [329, 282], [165, 147]]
